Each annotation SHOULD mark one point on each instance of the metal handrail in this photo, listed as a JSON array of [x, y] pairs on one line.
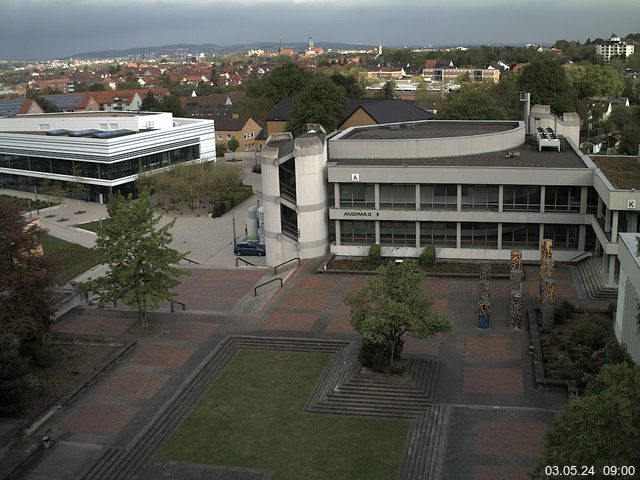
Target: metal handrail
[[189, 260], [245, 261], [184, 307], [284, 263], [580, 257], [255, 290]]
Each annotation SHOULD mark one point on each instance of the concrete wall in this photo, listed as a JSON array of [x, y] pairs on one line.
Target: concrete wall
[[626, 327], [568, 125], [89, 120]]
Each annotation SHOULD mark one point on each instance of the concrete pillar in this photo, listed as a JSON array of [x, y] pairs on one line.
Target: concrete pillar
[[542, 198], [500, 235], [541, 234], [459, 199], [338, 232], [584, 193], [417, 196], [614, 226], [605, 263], [376, 196], [458, 235], [611, 279], [378, 232], [417, 234], [599, 210], [336, 194], [500, 205], [582, 233], [607, 221]]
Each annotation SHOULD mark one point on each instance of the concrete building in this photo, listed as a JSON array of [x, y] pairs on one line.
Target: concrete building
[[614, 47], [473, 189], [626, 323], [455, 75], [106, 152]]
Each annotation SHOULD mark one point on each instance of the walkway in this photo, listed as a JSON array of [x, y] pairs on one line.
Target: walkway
[[497, 416]]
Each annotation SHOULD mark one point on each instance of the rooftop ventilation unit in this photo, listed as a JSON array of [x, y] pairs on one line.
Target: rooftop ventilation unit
[[547, 138]]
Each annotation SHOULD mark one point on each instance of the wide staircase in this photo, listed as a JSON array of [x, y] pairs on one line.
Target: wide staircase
[[594, 282]]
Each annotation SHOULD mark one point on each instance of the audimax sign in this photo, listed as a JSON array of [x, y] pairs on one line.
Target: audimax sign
[[359, 213]]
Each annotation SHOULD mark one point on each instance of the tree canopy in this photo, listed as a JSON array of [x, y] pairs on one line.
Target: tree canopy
[[471, 102], [590, 80], [547, 82], [393, 304], [25, 294], [321, 101], [141, 264], [284, 81], [602, 427], [352, 88]]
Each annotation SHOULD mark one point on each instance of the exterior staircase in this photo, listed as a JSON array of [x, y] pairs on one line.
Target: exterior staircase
[[593, 281]]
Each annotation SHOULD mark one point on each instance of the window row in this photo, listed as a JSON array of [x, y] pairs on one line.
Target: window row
[[105, 171], [444, 234], [473, 197]]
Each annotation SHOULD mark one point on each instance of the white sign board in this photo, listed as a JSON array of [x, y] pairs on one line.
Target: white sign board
[[355, 177], [631, 204]]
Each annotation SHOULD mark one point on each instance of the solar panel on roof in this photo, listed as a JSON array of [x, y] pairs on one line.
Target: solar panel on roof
[[83, 133], [113, 133], [58, 132], [65, 101]]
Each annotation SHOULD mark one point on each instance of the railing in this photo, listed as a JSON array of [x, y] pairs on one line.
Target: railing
[[184, 307], [288, 192], [275, 269], [582, 256], [290, 229], [189, 260], [255, 290], [238, 259]]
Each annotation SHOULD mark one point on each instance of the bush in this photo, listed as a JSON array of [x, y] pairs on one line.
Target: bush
[[218, 209], [428, 256], [615, 353], [257, 168], [375, 254], [13, 375], [376, 356], [40, 355], [563, 312], [592, 332]]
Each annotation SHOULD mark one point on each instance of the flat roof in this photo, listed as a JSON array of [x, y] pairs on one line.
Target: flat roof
[[429, 129], [622, 171], [90, 114], [527, 155]]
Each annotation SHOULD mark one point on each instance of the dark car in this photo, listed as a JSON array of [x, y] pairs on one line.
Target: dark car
[[249, 248]]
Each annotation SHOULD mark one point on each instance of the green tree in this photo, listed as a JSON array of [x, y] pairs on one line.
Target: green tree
[[590, 80], [351, 86], [25, 293], [47, 106], [388, 90], [141, 265], [149, 102], [232, 144], [171, 103], [630, 141], [98, 87], [284, 81], [13, 374], [600, 428], [547, 82], [471, 102], [633, 61], [321, 101], [393, 304]]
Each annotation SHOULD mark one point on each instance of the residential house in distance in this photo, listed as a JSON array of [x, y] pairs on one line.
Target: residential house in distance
[[11, 107], [118, 101], [452, 74], [614, 47], [607, 104], [359, 111], [73, 102], [230, 125], [387, 73], [208, 105]]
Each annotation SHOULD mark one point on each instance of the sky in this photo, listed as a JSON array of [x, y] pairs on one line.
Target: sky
[[45, 29]]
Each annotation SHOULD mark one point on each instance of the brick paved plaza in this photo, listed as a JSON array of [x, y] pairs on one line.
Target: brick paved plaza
[[498, 416]]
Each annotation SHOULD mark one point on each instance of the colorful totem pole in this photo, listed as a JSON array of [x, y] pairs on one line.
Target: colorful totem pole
[[484, 301], [548, 303], [516, 274], [547, 284]]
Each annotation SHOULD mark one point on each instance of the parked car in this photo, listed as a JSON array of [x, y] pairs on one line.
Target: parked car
[[249, 248]]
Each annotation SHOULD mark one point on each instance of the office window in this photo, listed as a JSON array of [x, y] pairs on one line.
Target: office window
[[520, 235], [353, 232], [399, 195], [562, 199], [398, 233], [521, 198], [479, 235], [480, 197], [438, 234], [438, 197], [357, 195], [565, 237]]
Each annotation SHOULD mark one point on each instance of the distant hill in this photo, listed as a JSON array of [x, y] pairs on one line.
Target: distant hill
[[210, 49]]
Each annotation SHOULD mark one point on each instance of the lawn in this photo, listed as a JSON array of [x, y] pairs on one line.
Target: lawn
[[253, 417], [92, 226], [67, 260]]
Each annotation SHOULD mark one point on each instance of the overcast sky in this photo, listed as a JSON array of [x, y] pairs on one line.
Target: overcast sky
[[34, 29]]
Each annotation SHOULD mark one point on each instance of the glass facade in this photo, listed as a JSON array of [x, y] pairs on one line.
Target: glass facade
[[479, 235], [398, 233], [439, 197], [565, 237], [518, 198], [399, 195], [101, 171], [520, 235], [480, 197], [438, 234], [357, 195], [562, 199], [357, 233]]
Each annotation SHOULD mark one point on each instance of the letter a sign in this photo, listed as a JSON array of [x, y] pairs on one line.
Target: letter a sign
[[355, 177]]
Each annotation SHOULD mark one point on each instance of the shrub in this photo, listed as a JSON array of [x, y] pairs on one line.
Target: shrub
[[218, 209], [428, 256], [615, 353], [13, 375], [377, 356], [592, 331], [40, 355], [563, 312], [375, 253]]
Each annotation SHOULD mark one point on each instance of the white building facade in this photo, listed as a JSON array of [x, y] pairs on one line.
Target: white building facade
[[626, 323]]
